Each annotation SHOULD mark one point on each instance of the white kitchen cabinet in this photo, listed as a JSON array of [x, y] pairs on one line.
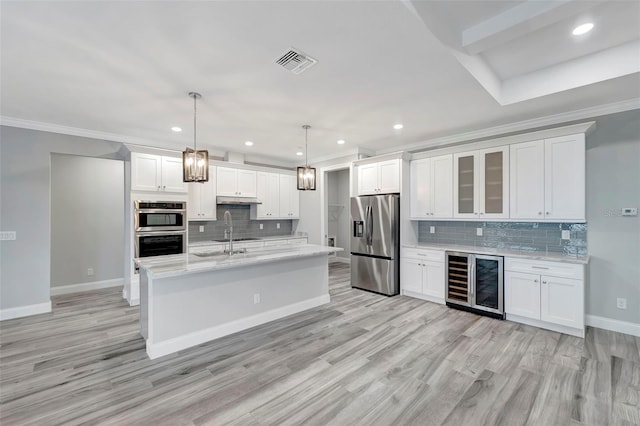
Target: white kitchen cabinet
[[379, 178], [422, 274], [548, 294], [289, 198], [156, 173], [481, 183], [236, 182], [201, 204], [432, 188], [267, 191], [547, 179]]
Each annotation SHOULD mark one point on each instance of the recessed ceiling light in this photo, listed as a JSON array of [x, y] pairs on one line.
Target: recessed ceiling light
[[176, 129], [299, 153], [398, 126], [248, 143], [583, 29], [340, 142]]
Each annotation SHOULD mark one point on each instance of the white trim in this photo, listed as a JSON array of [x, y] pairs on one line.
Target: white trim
[[324, 201], [519, 126], [613, 325], [546, 325], [25, 311], [95, 285], [134, 302], [155, 350]]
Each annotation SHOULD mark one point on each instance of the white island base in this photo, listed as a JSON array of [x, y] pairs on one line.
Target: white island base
[[180, 309]]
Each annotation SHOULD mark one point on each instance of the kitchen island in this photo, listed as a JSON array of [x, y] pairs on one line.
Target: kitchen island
[[189, 299]]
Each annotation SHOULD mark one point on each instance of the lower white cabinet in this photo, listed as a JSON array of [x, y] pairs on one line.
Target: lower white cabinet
[[422, 274], [545, 294]]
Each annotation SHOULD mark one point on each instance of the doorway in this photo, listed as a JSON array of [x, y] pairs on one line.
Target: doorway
[[337, 215]]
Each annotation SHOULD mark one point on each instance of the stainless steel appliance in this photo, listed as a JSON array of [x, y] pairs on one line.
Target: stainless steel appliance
[[375, 243], [153, 216], [475, 283], [160, 228]]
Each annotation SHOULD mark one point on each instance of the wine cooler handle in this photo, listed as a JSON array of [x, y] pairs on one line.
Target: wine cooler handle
[[472, 280]]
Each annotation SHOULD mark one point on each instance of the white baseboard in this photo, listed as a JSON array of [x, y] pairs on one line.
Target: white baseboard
[[25, 311], [155, 350], [613, 325], [434, 299], [339, 260], [578, 332], [134, 302], [95, 285]]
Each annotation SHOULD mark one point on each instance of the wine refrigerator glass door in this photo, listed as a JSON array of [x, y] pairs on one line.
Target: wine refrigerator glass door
[[488, 291]]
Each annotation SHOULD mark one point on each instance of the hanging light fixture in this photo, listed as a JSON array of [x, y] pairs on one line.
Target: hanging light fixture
[[195, 163], [306, 174]]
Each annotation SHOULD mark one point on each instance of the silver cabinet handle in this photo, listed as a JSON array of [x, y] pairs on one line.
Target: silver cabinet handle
[[548, 213], [164, 187], [535, 281], [538, 267], [481, 213], [158, 187], [539, 213], [544, 282]]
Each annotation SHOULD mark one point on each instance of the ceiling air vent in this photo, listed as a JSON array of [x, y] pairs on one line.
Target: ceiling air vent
[[296, 61]]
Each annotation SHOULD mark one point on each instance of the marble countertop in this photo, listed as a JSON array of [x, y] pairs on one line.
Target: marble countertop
[[274, 238], [182, 264], [535, 255]]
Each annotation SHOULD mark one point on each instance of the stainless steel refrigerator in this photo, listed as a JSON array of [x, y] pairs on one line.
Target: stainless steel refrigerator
[[375, 243]]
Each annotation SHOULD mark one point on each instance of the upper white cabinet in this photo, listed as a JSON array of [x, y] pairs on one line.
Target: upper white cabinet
[[289, 198], [236, 182], [432, 188], [379, 178], [201, 204], [268, 191], [547, 179], [156, 173], [481, 184]]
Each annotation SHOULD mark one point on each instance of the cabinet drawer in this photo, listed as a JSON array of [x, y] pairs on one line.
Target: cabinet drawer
[[425, 254], [541, 267]]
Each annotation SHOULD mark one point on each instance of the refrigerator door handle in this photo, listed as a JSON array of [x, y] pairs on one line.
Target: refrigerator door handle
[[369, 225]]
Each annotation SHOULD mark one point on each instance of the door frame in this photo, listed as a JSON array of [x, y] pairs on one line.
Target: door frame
[[324, 195]]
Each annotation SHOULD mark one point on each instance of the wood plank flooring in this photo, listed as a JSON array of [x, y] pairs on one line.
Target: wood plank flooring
[[364, 359]]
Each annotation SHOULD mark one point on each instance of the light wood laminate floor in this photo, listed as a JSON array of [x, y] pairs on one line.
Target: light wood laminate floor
[[363, 359]]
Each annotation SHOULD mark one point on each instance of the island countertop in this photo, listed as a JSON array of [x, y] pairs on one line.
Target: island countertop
[[190, 263]]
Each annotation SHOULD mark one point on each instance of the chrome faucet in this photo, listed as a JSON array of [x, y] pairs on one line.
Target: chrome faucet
[[229, 222]]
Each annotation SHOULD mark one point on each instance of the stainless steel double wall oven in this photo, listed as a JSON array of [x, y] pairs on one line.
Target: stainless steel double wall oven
[[160, 228]]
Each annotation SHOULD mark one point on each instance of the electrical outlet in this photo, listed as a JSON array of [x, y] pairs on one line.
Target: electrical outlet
[[629, 211], [479, 232], [261, 226], [201, 228], [256, 298], [90, 272], [621, 303], [7, 235], [432, 229], [277, 226], [566, 234]]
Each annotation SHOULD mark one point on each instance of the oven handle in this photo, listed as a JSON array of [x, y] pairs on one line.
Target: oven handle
[[152, 233], [161, 210]]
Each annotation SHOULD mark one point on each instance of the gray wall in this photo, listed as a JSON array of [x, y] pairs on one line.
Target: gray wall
[[25, 182], [87, 219], [613, 182], [338, 209], [243, 226]]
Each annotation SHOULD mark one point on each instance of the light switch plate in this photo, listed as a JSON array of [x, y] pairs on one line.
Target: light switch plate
[[479, 232], [277, 225], [566, 234], [432, 229], [201, 228], [261, 226], [7, 235]]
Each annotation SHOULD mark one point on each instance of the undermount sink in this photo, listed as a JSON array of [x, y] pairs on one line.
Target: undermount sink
[[226, 240]]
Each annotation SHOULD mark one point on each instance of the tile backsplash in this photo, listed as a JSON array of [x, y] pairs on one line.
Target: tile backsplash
[[536, 237], [243, 226]]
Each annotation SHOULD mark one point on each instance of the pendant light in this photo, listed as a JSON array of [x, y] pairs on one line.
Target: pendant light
[[195, 164], [306, 174]]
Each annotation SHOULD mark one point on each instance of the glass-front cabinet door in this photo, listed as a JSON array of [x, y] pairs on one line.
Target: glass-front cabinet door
[[465, 192], [494, 198]]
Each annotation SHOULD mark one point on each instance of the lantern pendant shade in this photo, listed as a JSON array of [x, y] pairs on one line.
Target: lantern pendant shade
[[195, 163], [306, 176]]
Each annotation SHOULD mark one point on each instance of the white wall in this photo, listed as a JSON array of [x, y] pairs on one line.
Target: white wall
[[338, 218], [613, 182], [87, 219], [25, 208]]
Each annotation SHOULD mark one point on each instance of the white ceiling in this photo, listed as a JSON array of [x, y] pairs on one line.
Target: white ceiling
[[123, 69]]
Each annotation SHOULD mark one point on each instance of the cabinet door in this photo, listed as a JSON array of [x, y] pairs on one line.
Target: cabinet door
[[246, 183], [493, 183], [208, 196], [433, 284], [172, 175], [368, 179], [286, 196], [263, 193], [564, 186], [420, 188], [389, 176], [441, 186], [194, 212], [465, 191], [226, 184], [522, 294], [295, 198], [562, 301], [411, 275], [526, 180], [145, 172], [273, 195]]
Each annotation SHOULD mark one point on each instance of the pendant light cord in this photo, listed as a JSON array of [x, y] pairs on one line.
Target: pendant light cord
[[194, 121]]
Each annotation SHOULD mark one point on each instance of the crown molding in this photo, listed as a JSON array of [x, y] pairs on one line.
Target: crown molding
[[341, 154], [519, 126]]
